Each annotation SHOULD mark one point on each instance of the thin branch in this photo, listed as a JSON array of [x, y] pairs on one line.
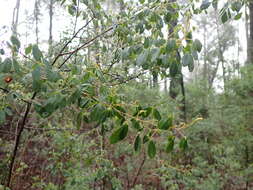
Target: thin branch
[[4, 90], [17, 141], [83, 46], [129, 79], [64, 47], [139, 170], [7, 132], [8, 91]]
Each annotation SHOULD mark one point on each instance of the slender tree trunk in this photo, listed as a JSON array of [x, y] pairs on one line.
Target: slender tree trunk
[[165, 85], [174, 80], [50, 40], [155, 79], [221, 56], [247, 32], [250, 48], [183, 108], [205, 56], [36, 17], [15, 18]]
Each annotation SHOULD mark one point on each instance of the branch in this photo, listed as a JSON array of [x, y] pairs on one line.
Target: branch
[[129, 79], [8, 91], [139, 170], [64, 47], [22, 126], [4, 90], [83, 46]]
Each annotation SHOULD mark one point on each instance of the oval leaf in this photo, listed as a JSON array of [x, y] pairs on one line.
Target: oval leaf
[[151, 149], [183, 144], [170, 144], [137, 143], [119, 134], [37, 54]]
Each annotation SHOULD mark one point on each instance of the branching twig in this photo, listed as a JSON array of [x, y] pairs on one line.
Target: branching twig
[[129, 79], [64, 47], [17, 141], [84, 45]]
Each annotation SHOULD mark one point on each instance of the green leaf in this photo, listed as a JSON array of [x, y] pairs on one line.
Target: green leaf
[[145, 112], [155, 52], [142, 58], [187, 60], [37, 54], [165, 124], [119, 134], [28, 49], [142, 1], [236, 6], [171, 45], [15, 41], [52, 76], [72, 9], [6, 65], [50, 105], [136, 125], [183, 144], [97, 114], [2, 52], [36, 76], [205, 4], [224, 17], [79, 119], [197, 45], [215, 4], [167, 17], [191, 67], [137, 143], [156, 114], [16, 66], [145, 139], [170, 144], [173, 69], [146, 43], [238, 16], [2, 116], [151, 149]]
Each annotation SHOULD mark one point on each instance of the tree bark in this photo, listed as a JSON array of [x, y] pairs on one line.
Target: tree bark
[[36, 17], [50, 40], [15, 18], [155, 79], [250, 40]]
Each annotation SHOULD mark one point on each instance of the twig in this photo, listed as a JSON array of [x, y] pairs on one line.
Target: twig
[[17, 141], [4, 90], [83, 46], [139, 170], [8, 91], [64, 47], [129, 79]]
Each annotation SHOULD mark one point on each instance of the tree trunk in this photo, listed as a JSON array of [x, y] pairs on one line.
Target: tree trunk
[[50, 40], [155, 79], [165, 85], [247, 32], [205, 56], [221, 56], [250, 47], [15, 18], [36, 17]]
